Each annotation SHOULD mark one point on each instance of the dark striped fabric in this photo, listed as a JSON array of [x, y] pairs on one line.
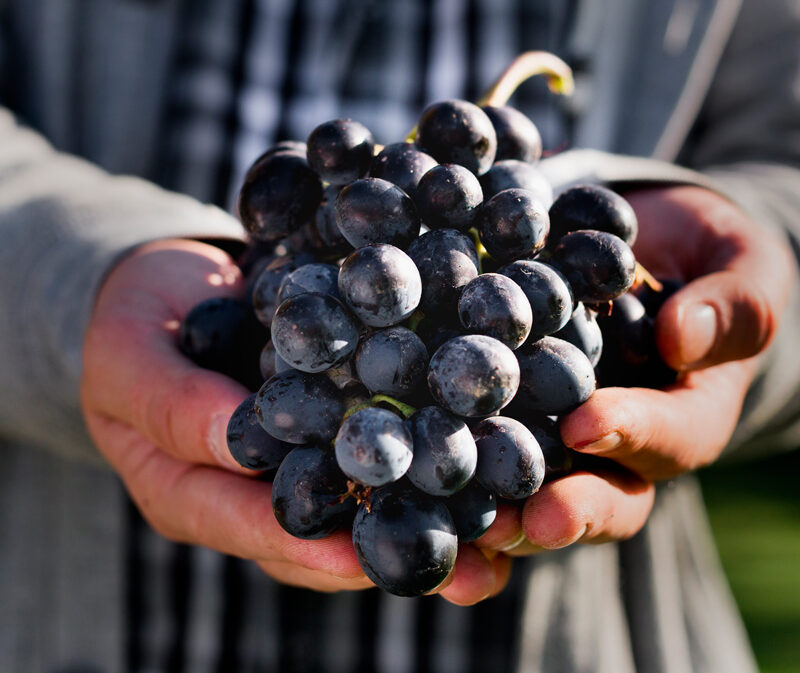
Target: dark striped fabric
[[247, 73]]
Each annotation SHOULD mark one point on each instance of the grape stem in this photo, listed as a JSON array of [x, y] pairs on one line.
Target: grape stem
[[482, 252], [525, 66], [413, 322], [405, 409]]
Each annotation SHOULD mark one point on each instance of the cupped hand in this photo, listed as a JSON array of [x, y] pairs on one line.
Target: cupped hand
[[161, 422], [738, 275]]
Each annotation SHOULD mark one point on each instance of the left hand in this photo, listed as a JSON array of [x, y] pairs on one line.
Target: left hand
[[738, 276]]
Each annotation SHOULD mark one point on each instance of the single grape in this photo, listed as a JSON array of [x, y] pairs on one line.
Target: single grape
[[223, 335], [513, 224], [473, 375], [458, 132], [473, 509], [392, 361], [310, 496], [332, 242], [558, 458], [448, 197], [340, 150], [548, 293], [267, 285], [592, 207], [405, 540], [279, 194], [599, 266], [444, 451], [447, 261], [494, 305], [320, 278], [372, 210], [402, 164], [298, 408], [583, 331], [380, 284], [555, 377], [517, 136], [314, 332], [510, 461], [250, 445], [374, 446], [266, 361], [512, 174]]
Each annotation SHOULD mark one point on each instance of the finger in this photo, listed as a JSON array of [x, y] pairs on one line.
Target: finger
[[134, 373], [291, 573], [506, 531], [661, 433], [586, 507], [721, 317], [214, 508], [473, 578]]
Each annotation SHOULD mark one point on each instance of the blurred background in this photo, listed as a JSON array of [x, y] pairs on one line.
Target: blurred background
[[755, 514]]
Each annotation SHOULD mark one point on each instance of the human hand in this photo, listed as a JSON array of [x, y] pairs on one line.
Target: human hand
[[739, 275], [161, 423]]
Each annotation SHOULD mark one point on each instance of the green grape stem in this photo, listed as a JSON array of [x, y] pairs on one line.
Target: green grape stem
[[522, 68], [405, 409]]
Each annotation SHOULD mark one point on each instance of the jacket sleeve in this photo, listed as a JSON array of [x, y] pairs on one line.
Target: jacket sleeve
[[63, 224]]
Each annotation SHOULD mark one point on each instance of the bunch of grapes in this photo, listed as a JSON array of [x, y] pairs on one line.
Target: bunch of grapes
[[429, 311]]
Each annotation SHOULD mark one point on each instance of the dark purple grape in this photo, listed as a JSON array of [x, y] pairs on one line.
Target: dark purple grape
[[380, 284], [279, 194], [340, 150], [496, 306], [266, 361], [447, 261], [555, 377], [473, 509], [250, 445], [592, 207], [513, 224], [548, 293], [517, 136], [458, 132], [583, 331], [310, 494], [320, 278], [473, 375], [296, 146], [402, 164], [405, 540], [332, 241], [374, 446], [314, 332], [371, 211], [510, 461], [444, 451], [512, 174], [223, 335], [558, 458], [392, 361], [268, 283], [599, 266], [631, 357], [434, 332], [299, 408], [448, 197]]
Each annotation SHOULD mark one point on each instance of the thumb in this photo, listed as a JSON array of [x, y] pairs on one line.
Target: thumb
[[717, 318]]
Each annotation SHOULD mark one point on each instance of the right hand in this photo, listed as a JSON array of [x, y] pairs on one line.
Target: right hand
[[161, 422]]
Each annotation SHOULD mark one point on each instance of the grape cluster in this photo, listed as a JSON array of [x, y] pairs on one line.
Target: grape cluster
[[431, 311]]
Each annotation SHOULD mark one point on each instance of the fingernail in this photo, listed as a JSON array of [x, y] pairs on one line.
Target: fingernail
[[605, 444], [698, 331], [217, 440], [516, 542]]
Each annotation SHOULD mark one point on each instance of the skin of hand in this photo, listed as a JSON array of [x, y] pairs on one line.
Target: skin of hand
[[737, 276], [161, 423]]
